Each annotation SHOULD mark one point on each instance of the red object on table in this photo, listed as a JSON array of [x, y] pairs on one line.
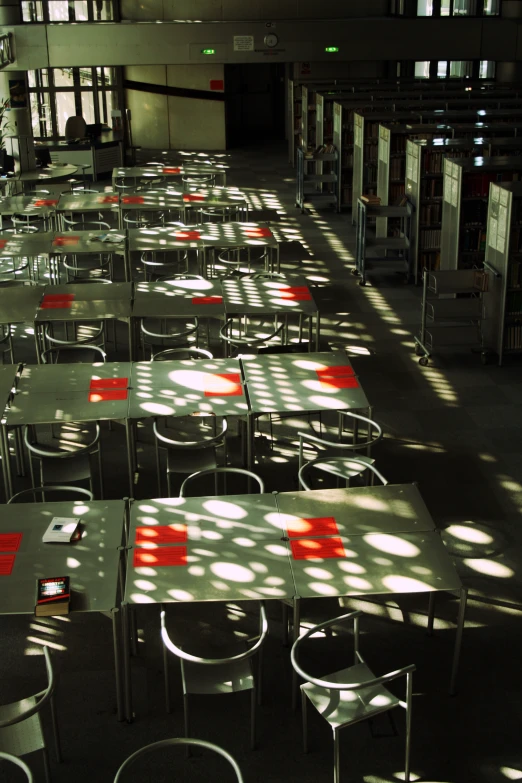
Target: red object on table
[[161, 534], [187, 235], [108, 200], [338, 377], [65, 241], [258, 233], [57, 301], [162, 556], [3, 243], [223, 385], [193, 197], [10, 542], [108, 383], [45, 202], [207, 300], [300, 293], [312, 526], [6, 564], [133, 200], [171, 171], [317, 548], [108, 395]]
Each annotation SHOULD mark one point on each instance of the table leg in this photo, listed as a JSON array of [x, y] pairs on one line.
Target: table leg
[[295, 635], [127, 685], [117, 664], [431, 613], [130, 454], [250, 440], [6, 465], [126, 262], [458, 640]]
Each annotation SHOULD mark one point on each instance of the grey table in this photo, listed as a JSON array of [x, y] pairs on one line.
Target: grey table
[[232, 235], [168, 172], [178, 299], [279, 296], [8, 379], [81, 302], [26, 245], [221, 549], [85, 203], [46, 378], [18, 304], [162, 202], [94, 563], [29, 206], [308, 382], [55, 171], [215, 198], [91, 243]]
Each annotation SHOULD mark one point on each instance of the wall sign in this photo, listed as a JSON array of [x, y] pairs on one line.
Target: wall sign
[[243, 43]]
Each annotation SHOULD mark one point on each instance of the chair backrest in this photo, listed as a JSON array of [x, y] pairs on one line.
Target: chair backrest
[[40, 699], [82, 354], [29, 495], [226, 471], [215, 440], [181, 353], [75, 128], [184, 741], [19, 763], [352, 461]]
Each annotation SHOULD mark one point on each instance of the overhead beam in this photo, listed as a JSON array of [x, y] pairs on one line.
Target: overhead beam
[[166, 43]]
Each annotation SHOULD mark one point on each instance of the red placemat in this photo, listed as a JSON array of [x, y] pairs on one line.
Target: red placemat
[[339, 382], [296, 293], [3, 243], [162, 556], [59, 304], [196, 300], [108, 383], [223, 385], [337, 369], [193, 197], [258, 232], [58, 297], [6, 564], [65, 241], [171, 171], [108, 395], [45, 202], [133, 200], [10, 542], [108, 200], [161, 534], [312, 526], [317, 548], [187, 235]]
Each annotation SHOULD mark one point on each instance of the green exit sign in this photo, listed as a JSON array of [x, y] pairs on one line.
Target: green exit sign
[[331, 49], [208, 51]]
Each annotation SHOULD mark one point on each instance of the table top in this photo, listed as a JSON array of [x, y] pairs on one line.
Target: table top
[[46, 378], [164, 238], [77, 301], [372, 564], [166, 170], [18, 304], [236, 234], [54, 171], [214, 197], [28, 205], [178, 299], [183, 388], [63, 405], [77, 242], [221, 549], [39, 243], [88, 292], [394, 508], [88, 202], [91, 563], [302, 382], [148, 200], [285, 293]]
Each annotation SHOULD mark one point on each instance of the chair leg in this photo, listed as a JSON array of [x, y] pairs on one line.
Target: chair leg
[[284, 613], [337, 765], [186, 722], [47, 767], [409, 693], [56, 735], [304, 718], [253, 708], [166, 679]]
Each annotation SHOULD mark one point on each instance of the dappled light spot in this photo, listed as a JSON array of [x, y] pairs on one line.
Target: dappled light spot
[[394, 545], [224, 509], [489, 567], [232, 572], [404, 584], [140, 598], [321, 588], [244, 542], [511, 774], [180, 595], [318, 573], [370, 503], [350, 567], [72, 562], [156, 408], [357, 583], [144, 584]]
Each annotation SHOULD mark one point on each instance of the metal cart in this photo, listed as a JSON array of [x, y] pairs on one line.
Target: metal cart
[[399, 245], [314, 186]]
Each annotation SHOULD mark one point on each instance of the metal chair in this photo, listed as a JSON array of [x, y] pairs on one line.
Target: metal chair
[[18, 763], [226, 471], [170, 354], [229, 674], [84, 333], [163, 264], [239, 340], [188, 456], [351, 695], [198, 180], [159, 332], [58, 466], [181, 741], [89, 354], [79, 493], [20, 724], [335, 463], [88, 265], [6, 343], [237, 260]]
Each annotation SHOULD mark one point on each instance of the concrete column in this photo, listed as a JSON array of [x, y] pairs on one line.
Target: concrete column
[[10, 12], [509, 72], [512, 9]]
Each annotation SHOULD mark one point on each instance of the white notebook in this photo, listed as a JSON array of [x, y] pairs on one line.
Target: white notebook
[[62, 530]]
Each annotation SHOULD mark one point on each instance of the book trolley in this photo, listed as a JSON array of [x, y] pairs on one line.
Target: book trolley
[[384, 247], [452, 312], [313, 185]]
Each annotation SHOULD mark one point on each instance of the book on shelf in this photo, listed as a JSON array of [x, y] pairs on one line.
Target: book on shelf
[[371, 200], [430, 239]]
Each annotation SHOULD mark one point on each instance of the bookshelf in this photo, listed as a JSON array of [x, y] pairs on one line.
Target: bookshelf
[[465, 196], [316, 187], [503, 258], [424, 181]]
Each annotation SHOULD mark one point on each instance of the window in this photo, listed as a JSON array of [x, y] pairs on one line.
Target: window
[[491, 7], [458, 7], [424, 7], [461, 69], [67, 10], [487, 69], [58, 93], [442, 69], [422, 69]]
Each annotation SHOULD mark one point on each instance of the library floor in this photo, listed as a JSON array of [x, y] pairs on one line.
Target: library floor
[[454, 427]]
